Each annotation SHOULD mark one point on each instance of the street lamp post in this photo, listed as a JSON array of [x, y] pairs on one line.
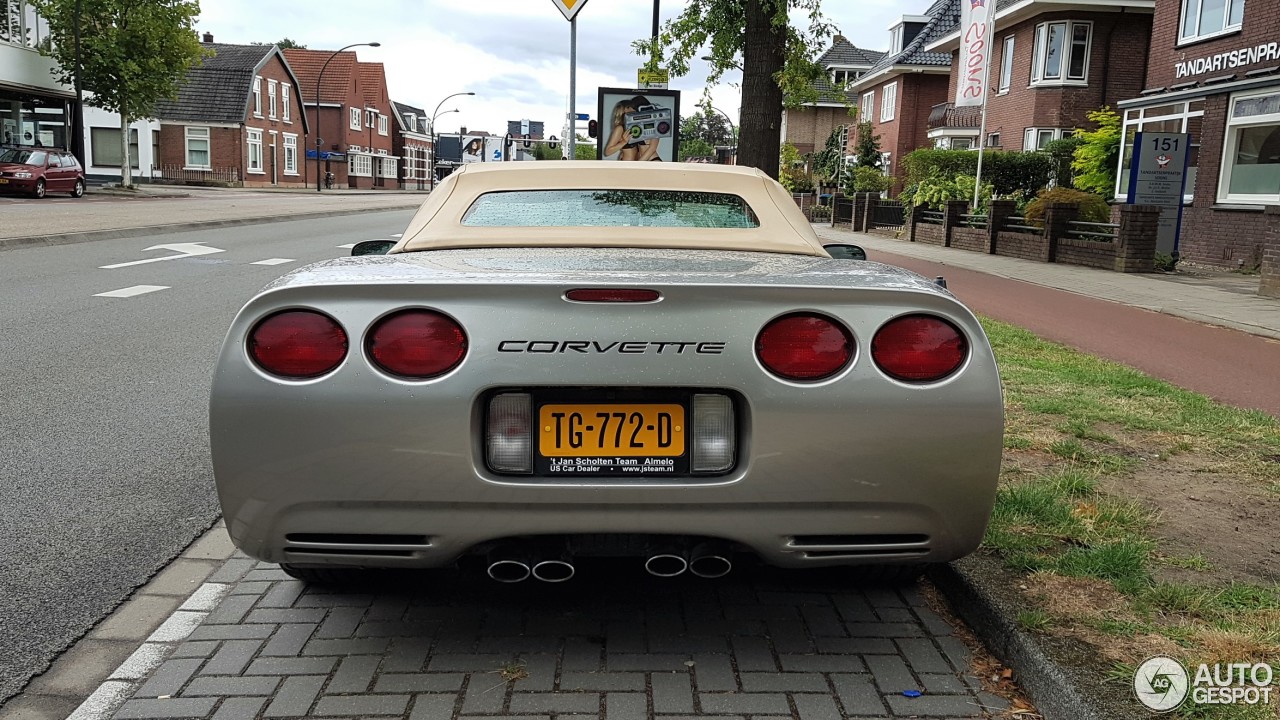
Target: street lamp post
[[733, 130], [319, 78], [434, 113]]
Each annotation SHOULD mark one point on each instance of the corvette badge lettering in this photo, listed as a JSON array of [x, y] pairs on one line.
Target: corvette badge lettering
[[594, 347]]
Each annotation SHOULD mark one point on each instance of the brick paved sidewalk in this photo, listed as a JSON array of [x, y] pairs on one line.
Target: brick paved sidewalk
[[613, 644]]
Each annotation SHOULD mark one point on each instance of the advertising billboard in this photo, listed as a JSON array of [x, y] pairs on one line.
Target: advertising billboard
[[472, 149], [638, 124]]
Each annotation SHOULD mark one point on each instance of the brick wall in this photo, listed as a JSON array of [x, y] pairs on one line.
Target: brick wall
[[909, 128], [1116, 72], [1028, 246], [1269, 284], [930, 234], [971, 239], [227, 148], [273, 174], [1261, 25], [1090, 253], [809, 127]]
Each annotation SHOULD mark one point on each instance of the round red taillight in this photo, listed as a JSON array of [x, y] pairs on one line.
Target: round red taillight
[[298, 344], [417, 344], [919, 348], [804, 347]]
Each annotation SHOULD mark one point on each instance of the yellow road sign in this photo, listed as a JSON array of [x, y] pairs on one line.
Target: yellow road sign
[[569, 7], [656, 79]]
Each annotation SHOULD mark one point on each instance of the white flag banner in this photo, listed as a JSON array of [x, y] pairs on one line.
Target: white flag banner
[[977, 26]]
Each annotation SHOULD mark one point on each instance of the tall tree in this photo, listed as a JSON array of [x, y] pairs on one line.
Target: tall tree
[[133, 53], [868, 146], [284, 44], [708, 126], [778, 66]]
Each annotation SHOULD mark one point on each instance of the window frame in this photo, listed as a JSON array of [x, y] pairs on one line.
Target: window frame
[[290, 154], [1230, 142], [1034, 133], [257, 96], [188, 136], [889, 102], [135, 150], [254, 139], [1040, 54], [272, 90], [1006, 65], [996, 143], [868, 105], [382, 124], [1185, 38], [360, 165], [355, 118], [286, 109]]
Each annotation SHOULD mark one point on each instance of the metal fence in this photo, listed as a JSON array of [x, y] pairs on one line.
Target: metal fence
[[888, 215], [1103, 232], [178, 173], [1022, 224], [975, 221], [932, 217]]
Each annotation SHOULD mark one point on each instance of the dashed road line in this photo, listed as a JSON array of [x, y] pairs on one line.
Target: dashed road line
[[132, 291], [273, 261]]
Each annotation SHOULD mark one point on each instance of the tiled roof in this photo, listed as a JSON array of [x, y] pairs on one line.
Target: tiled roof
[[217, 90], [307, 64], [844, 53], [373, 82], [944, 17], [400, 109]]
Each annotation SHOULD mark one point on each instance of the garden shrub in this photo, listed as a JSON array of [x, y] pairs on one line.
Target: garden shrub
[[934, 192], [867, 179], [1093, 208], [1006, 171]]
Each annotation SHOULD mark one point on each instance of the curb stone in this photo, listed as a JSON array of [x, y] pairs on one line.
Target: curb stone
[[94, 235], [1055, 674]]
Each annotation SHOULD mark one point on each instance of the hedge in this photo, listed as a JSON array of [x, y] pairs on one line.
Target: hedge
[[1008, 172]]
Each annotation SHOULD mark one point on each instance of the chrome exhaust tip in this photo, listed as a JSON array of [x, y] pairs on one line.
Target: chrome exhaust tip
[[553, 571], [666, 564], [710, 561], [509, 571]]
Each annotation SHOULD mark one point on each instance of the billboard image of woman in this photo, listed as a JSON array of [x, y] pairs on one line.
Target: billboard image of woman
[[640, 125]]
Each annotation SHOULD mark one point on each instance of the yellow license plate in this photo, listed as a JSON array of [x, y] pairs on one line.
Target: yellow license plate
[[4, 181], [613, 430]]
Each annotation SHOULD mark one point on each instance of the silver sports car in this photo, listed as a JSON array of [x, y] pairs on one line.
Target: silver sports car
[[562, 360]]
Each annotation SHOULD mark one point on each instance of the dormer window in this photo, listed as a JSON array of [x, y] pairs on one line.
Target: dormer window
[[842, 77], [895, 39]]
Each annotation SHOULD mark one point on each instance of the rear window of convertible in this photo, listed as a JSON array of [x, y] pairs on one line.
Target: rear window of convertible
[[610, 208]]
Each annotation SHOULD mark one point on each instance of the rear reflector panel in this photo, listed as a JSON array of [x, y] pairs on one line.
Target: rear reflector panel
[[509, 433]]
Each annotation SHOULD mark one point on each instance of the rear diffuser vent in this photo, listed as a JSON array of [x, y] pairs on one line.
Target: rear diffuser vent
[[354, 539], [824, 541], [351, 544], [886, 545]]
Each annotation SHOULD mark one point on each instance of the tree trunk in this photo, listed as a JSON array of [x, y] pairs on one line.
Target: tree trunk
[[764, 54], [126, 163]]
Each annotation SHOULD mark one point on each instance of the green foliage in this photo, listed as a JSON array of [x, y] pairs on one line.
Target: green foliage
[[867, 179], [1098, 154], [1063, 153], [584, 149], [1166, 262], [796, 180], [696, 147], [934, 192], [868, 148], [789, 157], [828, 162], [1008, 172], [708, 126], [284, 44], [134, 53], [1093, 208]]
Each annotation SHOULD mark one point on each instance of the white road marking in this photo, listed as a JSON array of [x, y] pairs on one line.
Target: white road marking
[[104, 701], [274, 261], [132, 291], [140, 664], [206, 597], [177, 627], [348, 246], [183, 250]]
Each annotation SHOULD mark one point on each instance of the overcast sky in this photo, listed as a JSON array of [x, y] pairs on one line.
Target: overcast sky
[[514, 54]]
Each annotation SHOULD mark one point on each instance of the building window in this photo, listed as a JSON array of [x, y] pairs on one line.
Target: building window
[[271, 98], [993, 140], [284, 101], [257, 96], [387, 167], [382, 124], [1182, 117], [1207, 18], [255, 151], [868, 105], [155, 147], [888, 102], [197, 139], [360, 165], [290, 154], [1251, 157], [1061, 54], [895, 39], [1006, 65], [886, 163], [1038, 138], [355, 118], [20, 24], [105, 147], [843, 77], [962, 143]]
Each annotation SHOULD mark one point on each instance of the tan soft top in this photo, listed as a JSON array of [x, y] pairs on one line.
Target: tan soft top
[[438, 223]]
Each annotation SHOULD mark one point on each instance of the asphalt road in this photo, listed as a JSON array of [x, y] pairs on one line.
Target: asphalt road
[[104, 467]]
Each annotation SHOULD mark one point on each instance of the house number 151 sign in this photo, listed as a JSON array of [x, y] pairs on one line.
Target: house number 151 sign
[[1159, 177]]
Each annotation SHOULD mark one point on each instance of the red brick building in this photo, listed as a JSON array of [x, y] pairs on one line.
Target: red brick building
[[1214, 71], [808, 127], [898, 92], [237, 119], [351, 116], [412, 145], [1053, 62]]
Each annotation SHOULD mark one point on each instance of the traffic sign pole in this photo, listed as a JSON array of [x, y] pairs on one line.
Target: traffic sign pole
[[573, 87]]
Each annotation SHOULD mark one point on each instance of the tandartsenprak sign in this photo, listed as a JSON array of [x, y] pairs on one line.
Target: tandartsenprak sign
[[977, 26], [1229, 60], [1158, 176]]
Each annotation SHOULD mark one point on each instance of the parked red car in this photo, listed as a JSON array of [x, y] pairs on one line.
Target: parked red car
[[37, 171]]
